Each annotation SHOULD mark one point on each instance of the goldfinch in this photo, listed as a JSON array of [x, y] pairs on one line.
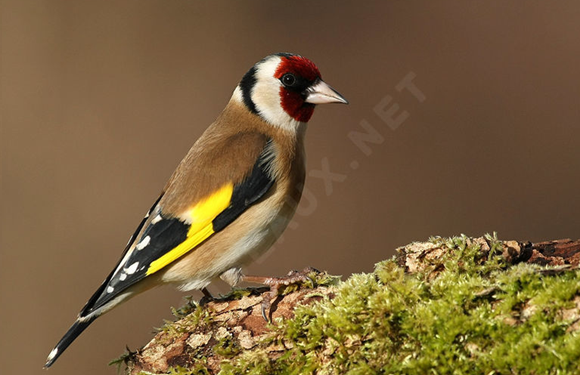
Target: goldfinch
[[229, 199]]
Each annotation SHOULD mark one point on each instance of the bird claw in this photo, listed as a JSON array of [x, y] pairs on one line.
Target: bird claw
[[276, 283]]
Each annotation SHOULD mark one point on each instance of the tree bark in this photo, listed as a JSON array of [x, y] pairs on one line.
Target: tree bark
[[222, 328]]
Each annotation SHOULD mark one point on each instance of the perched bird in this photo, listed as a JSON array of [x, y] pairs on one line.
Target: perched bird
[[229, 199]]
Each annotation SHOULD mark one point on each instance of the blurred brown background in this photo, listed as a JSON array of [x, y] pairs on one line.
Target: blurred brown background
[[100, 101]]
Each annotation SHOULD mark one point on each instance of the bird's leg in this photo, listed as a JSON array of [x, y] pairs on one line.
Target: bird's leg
[[275, 283], [207, 297]]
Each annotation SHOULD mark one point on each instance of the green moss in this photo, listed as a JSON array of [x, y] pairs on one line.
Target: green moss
[[121, 361], [197, 370], [197, 316], [226, 347], [467, 313]]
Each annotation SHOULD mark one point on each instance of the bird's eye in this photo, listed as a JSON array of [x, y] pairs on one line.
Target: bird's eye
[[288, 79]]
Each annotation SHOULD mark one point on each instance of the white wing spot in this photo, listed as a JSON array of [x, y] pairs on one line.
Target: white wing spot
[[123, 276], [144, 242], [132, 268], [110, 289], [156, 219]]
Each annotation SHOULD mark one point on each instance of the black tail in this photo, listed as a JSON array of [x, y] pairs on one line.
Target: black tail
[[73, 332]]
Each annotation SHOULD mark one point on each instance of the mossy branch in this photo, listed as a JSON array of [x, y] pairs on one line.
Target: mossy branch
[[457, 305]]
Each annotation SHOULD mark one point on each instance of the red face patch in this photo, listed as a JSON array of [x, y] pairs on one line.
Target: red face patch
[[299, 66], [292, 100]]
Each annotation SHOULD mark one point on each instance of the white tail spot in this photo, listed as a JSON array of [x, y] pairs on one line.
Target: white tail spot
[[52, 354]]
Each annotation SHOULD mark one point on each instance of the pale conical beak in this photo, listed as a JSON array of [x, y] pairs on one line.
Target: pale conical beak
[[320, 93]]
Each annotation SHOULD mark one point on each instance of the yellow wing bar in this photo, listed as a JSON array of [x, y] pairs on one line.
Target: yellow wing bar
[[201, 216]]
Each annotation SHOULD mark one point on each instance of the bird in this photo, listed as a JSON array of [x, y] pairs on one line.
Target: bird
[[231, 196]]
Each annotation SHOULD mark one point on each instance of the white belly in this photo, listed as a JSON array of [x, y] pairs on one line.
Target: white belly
[[229, 250]]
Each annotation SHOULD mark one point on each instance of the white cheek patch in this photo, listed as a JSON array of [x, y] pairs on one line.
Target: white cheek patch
[[266, 95], [237, 95]]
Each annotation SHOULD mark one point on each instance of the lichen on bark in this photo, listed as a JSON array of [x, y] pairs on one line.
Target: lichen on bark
[[447, 305]]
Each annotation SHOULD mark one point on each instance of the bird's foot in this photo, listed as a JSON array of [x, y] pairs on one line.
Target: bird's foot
[[280, 285], [207, 297]]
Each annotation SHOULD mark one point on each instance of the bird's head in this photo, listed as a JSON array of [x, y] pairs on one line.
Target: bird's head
[[284, 89]]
